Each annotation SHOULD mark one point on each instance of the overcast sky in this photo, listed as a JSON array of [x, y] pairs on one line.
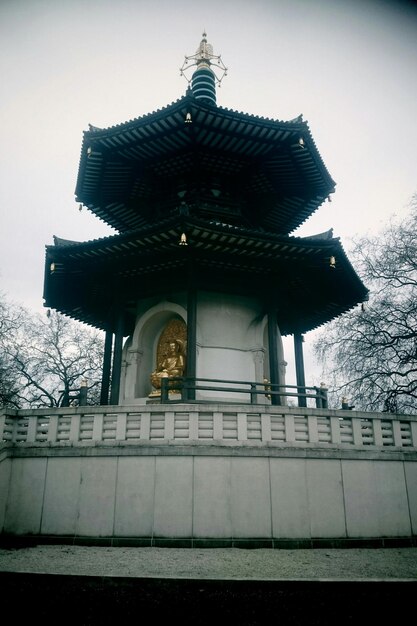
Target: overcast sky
[[350, 66]]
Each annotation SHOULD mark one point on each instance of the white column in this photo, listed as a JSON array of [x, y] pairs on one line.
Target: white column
[[131, 372]]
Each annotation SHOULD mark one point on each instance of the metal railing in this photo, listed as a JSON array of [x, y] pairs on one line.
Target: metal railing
[[184, 388]]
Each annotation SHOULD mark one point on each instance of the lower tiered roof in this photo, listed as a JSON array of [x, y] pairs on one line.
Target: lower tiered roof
[[309, 279]]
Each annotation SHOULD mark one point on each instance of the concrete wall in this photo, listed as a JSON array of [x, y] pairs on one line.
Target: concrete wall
[[185, 492], [5, 470]]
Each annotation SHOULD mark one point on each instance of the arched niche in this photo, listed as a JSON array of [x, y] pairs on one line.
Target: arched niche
[[141, 355]]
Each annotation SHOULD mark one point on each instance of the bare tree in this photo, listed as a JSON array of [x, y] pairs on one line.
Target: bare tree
[[45, 358], [370, 354], [10, 321]]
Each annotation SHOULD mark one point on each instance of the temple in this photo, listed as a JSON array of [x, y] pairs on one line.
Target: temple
[[204, 200]]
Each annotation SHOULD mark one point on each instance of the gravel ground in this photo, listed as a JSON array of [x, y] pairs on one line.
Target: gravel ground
[[222, 563]]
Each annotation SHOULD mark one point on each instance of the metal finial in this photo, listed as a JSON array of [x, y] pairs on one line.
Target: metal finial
[[204, 57]]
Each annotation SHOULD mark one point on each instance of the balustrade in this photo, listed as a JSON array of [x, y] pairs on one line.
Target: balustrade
[[249, 424]]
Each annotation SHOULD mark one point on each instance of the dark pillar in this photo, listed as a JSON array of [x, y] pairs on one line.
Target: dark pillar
[[105, 380], [273, 355], [299, 368], [65, 398], [83, 397], [191, 368], [117, 359]]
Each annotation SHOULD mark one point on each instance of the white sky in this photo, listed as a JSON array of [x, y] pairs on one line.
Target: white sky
[[350, 66]]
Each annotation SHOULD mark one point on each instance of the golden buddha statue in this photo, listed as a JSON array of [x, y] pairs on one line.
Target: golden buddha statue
[[171, 354]]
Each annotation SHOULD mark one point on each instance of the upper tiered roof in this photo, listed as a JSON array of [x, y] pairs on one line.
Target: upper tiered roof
[[196, 157]]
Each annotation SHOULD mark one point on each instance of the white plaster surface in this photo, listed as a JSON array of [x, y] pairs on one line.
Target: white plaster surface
[[173, 497], [411, 482], [24, 508], [212, 488], [375, 499], [227, 320], [62, 493], [227, 337], [97, 496], [135, 497], [5, 471], [392, 496], [290, 512], [250, 497], [325, 498]]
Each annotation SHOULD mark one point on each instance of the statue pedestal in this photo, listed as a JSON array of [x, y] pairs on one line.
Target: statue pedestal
[[156, 399]]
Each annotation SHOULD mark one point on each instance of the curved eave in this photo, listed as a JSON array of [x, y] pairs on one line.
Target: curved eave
[[292, 182], [86, 275]]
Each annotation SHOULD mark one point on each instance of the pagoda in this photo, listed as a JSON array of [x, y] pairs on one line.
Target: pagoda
[[199, 443], [203, 276]]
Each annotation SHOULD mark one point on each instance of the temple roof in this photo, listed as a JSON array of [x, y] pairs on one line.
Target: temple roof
[[210, 161], [83, 280]]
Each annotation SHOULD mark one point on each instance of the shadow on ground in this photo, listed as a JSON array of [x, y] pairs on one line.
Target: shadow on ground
[[88, 600]]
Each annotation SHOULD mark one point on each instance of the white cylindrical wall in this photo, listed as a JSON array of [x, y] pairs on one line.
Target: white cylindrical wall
[[231, 343]]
